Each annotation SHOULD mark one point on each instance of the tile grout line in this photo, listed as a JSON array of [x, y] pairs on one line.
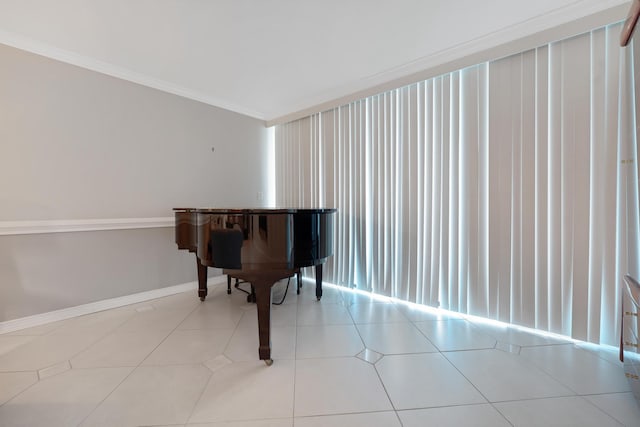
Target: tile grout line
[[477, 389], [37, 371], [133, 369], [364, 344]]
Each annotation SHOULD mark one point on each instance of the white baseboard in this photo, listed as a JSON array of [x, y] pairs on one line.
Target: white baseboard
[[94, 307]]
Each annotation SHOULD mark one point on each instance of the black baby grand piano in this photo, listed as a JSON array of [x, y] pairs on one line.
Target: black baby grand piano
[[260, 246]]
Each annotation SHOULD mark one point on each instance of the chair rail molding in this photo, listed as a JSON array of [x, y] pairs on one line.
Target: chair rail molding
[[8, 228]]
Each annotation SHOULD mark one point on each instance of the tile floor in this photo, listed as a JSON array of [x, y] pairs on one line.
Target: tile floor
[[349, 360]]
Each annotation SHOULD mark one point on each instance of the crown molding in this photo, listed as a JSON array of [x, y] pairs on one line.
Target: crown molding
[[557, 25], [580, 16]]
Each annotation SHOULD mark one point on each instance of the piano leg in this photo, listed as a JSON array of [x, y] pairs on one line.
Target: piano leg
[[263, 302], [319, 281], [261, 282], [202, 280]]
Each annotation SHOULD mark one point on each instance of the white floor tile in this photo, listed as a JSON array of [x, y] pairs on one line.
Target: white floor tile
[[62, 400], [452, 335], [187, 300], [376, 313], [154, 320], [213, 316], [394, 338], [11, 342], [244, 343], [13, 383], [119, 349], [581, 371], [371, 419], [323, 375], [246, 391], [323, 314], [45, 351], [337, 386], [152, 395], [503, 376], [425, 380], [621, 406], [256, 423], [189, 346], [99, 323], [454, 416], [555, 412], [327, 341]]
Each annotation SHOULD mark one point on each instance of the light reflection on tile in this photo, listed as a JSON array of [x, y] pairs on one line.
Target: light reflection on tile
[[454, 335], [394, 338], [335, 365], [328, 341]]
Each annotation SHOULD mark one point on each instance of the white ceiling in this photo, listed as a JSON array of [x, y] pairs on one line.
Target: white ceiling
[[272, 58]]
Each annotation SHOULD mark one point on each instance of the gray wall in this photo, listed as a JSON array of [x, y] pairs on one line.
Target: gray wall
[[45, 272], [75, 144]]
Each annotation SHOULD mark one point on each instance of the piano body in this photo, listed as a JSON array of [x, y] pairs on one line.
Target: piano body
[[260, 246]]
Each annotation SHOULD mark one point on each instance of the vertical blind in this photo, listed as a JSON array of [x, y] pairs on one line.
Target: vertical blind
[[507, 190]]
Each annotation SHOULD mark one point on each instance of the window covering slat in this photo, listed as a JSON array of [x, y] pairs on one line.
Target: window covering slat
[[507, 190]]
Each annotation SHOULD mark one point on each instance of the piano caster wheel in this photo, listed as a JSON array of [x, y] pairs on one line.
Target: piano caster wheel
[[268, 362], [201, 298], [318, 298], [228, 291]]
